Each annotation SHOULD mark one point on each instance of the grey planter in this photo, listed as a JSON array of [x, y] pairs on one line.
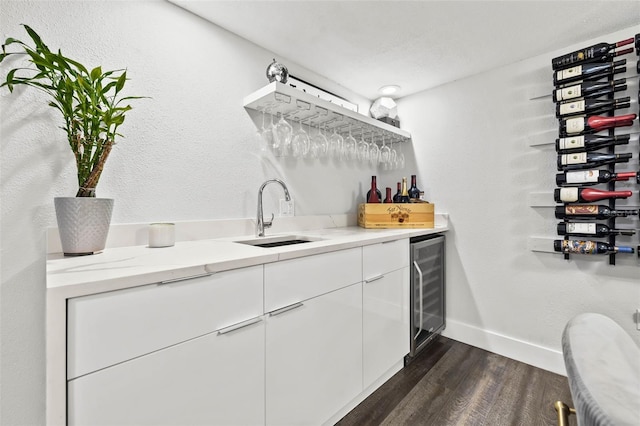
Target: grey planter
[[83, 224]]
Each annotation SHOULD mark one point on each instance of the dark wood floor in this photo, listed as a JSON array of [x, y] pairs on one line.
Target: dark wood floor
[[451, 383]]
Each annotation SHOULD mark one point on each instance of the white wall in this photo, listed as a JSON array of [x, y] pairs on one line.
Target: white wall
[[189, 152], [471, 140]]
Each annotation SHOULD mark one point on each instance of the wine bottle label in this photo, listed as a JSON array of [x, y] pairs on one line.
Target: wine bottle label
[[586, 176], [569, 195], [577, 158], [569, 72], [574, 125], [588, 209], [581, 228], [579, 247], [572, 107], [571, 92], [574, 142]]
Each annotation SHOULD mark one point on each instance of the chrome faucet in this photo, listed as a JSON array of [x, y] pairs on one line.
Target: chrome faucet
[[260, 223]]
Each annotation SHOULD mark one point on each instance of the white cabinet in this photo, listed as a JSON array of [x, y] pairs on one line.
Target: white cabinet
[[385, 307], [188, 352], [314, 336]]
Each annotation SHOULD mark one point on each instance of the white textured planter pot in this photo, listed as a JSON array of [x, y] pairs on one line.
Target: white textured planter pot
[[83, 224]]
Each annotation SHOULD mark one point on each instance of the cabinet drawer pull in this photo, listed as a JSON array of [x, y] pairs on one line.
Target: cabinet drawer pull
[[376, 278], [239, 325], [285, 309], [175, 280]]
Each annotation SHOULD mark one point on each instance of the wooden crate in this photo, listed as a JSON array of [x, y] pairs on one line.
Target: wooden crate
[[412, 215]]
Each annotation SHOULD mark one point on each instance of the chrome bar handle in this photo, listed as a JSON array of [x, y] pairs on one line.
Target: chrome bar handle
[[372, 279], [415, 264], [285, 309], [239, 325]]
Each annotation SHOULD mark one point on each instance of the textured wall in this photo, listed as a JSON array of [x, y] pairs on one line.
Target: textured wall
[[472, 139], [189, 152]]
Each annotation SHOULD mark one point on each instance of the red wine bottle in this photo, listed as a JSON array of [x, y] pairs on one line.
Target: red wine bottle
[[588, 72], [589, 89], [591, 211], [374, 195], [597, 53], [593, 124], [591, 106], [590, 160], [404, 194], [586, 195], [589, 247], [396, 197], [592, 177], [590, 229], [388, 198], [414, 192], [589, 142]]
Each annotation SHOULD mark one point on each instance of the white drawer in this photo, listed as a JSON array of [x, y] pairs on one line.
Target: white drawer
[[295, 280], [378, 259], [108, 328]]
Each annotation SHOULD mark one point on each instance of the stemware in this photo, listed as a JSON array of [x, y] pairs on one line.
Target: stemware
[[350, 147], [400, 158], [363, 149], [393, 157], [264, 137], [374, 151], [282, 132], [322, 141], [384, 153], [300, 142], [335, 144]]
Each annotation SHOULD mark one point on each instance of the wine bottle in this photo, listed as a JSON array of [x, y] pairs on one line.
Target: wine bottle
[[593, 124], [588, 72], [388, 198], [398, 195], [591, 106], [589, 89], [590, 229], [592, 177], [589, 160], [589, 142], [588, 247], [374, 195], [586, 195], [414, 192], [591, 211], [597, 53], [404, 194]]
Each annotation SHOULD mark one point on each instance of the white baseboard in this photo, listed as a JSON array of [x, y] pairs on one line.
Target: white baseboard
[[520, 350]]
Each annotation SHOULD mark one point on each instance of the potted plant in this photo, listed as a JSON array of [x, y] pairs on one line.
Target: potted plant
[[93, 108]]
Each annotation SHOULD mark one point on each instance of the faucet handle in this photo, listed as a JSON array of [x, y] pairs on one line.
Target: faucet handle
[[268, 223]]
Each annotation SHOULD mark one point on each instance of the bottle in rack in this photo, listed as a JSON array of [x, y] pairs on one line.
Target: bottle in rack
[[404, 194], [374, 195], [593, 124], [588, 247], [388, 198], [589, 142], [414, 192], [396, 197], [590, 229], [591, 106], [592, 177], [591, 211], [587, 72], [600, 52], [589, 160], [589, 89], [586, 195]]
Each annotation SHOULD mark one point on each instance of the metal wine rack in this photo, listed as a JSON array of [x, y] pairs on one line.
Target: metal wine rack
[[611, 222]]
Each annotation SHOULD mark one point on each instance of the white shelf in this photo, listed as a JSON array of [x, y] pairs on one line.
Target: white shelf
[[277, 98]]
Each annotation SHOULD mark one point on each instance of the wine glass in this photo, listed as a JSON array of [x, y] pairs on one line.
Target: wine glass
[[374, 151], [393, 157], [300, 142], [264, 137], [384, 153], [282, 132], [350, 146], [363, 149], [323, 143], [335, 144], [401, 158]]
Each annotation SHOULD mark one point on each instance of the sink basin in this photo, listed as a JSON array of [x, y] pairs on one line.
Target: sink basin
[[279, 241]]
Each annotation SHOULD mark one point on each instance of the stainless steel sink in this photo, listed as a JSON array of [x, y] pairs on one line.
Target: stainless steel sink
[[279, 241]]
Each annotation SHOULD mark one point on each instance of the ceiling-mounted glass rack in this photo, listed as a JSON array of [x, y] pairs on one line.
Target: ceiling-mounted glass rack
[[280, 100]]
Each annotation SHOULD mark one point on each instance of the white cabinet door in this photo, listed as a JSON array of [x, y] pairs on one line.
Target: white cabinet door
[[385, 322], [314, 357], [216, 379]]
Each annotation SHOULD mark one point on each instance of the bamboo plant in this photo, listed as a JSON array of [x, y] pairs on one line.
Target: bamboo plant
[[90, 102]]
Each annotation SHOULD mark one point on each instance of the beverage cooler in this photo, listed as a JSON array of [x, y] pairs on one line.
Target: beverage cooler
[[427, 291]]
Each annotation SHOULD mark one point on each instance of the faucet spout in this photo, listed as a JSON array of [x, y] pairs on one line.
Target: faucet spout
[[260, 222]]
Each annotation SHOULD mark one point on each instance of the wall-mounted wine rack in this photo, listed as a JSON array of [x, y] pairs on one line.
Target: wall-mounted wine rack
[[585, 111]]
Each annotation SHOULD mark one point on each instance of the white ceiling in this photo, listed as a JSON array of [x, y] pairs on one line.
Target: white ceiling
[[363, 45]]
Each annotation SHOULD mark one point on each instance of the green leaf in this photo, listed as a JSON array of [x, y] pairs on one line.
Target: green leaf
[[95, 73], [121, 82]]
